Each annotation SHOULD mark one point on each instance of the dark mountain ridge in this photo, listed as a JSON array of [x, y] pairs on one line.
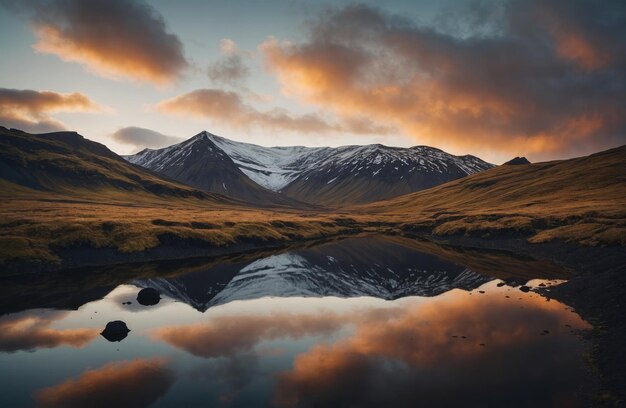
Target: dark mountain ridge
[[318, 175]]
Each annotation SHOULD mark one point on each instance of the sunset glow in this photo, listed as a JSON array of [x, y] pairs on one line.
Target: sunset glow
[[534, 78]]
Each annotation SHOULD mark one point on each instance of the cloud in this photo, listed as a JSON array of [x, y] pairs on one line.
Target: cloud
[[30, 110], [115, 39], [141, 138], [545, 79], [29, 332], [230, 69], [226, 336], [229, 108], [409, 357], [136, 383]]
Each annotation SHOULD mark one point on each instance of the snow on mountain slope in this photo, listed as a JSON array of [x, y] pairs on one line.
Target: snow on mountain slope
[[200, 163], [362, 174], [276, 167], [323, 175], [271, 167]]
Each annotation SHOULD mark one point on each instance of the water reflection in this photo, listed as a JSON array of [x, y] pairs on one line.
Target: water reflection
[[378, 266], [28, 331], [136, 383], [484, 347], [334, 325], [444, 352], [383, 267]]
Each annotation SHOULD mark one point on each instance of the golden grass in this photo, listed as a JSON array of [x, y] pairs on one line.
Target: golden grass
[[31, 229], [88, 196], [580, 200]]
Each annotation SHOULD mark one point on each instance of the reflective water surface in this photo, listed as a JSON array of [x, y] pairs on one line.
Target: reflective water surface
[[370, 321]]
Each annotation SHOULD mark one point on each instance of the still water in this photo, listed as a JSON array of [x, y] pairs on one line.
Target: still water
[[370, 321]]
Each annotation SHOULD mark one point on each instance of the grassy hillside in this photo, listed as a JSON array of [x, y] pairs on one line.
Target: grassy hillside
[[60, 191], [67, 163], [581, 200]]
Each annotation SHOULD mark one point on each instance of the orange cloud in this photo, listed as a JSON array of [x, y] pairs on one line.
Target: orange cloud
[[121, 39], [226, 336], [410, 357], [30, 110], [29, 332], [229, 108], [513, 92], [136, 383]]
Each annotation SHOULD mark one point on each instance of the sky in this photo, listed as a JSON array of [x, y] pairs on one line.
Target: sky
[[492, 78]]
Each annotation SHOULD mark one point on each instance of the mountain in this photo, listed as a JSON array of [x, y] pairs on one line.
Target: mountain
[[200, 163], [364, 266], [318, 175], [581, 199], [517, 161], [363, 174], [67, 163]]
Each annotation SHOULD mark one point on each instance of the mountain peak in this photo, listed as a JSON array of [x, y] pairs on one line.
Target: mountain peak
[[204, 135], [318, 175], [517, 161]]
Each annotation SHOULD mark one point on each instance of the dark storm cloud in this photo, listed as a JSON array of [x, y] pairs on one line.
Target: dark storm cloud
[[141, 138], [113, 38], [538, 77]]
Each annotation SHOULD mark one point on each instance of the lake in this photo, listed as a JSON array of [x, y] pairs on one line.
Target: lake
[[366, 321]]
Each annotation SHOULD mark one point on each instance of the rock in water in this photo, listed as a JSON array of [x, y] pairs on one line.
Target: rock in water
[[115, 331], [148, 297]]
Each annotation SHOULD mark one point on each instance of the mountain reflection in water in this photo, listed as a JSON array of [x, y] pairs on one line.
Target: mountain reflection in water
[[271, 336]]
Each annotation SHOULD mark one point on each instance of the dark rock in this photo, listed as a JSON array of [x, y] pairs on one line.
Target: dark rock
[[481, 291], [500, 284], [115, 331], [524, 288], [517, 161], [148, 297]]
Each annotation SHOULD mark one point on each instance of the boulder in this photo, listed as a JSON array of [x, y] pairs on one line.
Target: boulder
[[148, 297], [115, 331]]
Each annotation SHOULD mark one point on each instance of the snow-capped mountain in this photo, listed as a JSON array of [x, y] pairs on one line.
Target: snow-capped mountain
[[366, 266], [199, 163], [319, 175]]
